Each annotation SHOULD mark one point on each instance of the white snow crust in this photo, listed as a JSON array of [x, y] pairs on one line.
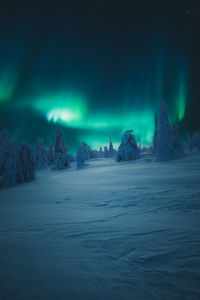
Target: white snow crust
[[128, 230]]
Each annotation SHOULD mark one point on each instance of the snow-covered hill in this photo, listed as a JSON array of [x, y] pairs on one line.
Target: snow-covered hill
[[112, 230]]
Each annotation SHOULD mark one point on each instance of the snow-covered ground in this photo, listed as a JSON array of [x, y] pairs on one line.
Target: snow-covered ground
[[128, 230]]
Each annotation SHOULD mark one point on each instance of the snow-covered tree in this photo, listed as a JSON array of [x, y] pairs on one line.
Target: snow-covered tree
[[155, 137], [101, 152], [195, 141], [62, 161], [83, 153], [94, 154], [60, 150], [4, 138], [106, 152], [176, 142], [41, 154], [17, 161], [144, 149], [164, 138], [80, 157], [128, 149], [188, 142], [150, 149], [87, 151], [8, 160], [111, 149], [71, 158], [59, 142], [28, 161], [51, 155], [167, 143]]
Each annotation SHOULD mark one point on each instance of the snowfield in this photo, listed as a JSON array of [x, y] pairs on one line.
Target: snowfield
[[128, 230]]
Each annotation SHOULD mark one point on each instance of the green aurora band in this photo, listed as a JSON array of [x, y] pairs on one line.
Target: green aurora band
[[95, 83], [181, 101], [8, 84], [95, 119], [72, 110]]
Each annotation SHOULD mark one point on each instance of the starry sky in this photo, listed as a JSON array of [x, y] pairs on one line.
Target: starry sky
[[97, 68]]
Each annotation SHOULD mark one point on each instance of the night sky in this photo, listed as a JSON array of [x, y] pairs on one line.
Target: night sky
[[98, 68]]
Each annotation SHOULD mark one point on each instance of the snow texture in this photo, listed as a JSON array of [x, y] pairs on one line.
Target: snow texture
[[112, 231]]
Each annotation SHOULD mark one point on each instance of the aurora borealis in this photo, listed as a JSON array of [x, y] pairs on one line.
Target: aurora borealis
[[97, 68]]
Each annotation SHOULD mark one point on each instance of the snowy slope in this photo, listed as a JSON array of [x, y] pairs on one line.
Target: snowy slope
[[109, 231]]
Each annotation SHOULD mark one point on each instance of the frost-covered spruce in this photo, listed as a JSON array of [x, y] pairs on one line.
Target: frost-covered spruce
[[195, 141], [59, 142], [94, 154], [155, 137], [101, 152], [4, 138], [106, 152], [62, 161], [167, 143], [41, 154], [60, 150], [128, 149], [27, 161], [9, 158], [80, 157], [144, 149], [111, 149], [17, 161], [83, 153], [188, 143], [176, 142], [1, 167], [164, 137], [71, 158], [87, 151], [51, 155]]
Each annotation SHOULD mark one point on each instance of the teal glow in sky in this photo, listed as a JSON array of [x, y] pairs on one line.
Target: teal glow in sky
[[182, 99], [96, 120], [8, 83], [72, 111], [95, 79]]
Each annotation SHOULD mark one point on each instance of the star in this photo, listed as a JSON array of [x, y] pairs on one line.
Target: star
[[188, 11]]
